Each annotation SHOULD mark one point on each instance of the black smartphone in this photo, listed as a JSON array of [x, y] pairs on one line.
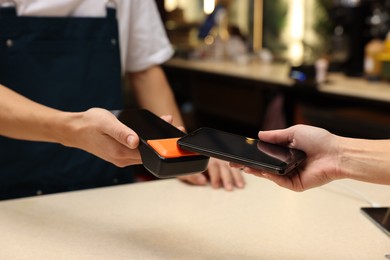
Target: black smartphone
[[243, 150], [379, 216]]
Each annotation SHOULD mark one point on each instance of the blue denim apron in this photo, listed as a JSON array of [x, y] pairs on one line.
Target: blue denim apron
[[71, 64]]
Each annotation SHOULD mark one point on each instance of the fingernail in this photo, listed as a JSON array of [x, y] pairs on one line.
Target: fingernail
[[130, 141], [229, 187]]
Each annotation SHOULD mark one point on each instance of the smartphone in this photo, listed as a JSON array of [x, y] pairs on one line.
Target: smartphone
[[243, 150], [379, 216]]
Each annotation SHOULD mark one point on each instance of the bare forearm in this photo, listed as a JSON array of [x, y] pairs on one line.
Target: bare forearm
[[365, 160], [152, 92], [22, 118], [96, 130]]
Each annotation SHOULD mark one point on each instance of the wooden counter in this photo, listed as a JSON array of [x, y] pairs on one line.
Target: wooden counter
[[275, 73], [338, 83], [359, 88], [167, 219]]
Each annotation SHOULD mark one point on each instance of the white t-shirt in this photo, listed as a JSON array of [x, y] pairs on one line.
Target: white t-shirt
[[143, 40]]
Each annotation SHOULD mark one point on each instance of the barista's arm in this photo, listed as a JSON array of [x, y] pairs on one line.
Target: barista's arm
[[21, 118], [96, 130], [153, 92]]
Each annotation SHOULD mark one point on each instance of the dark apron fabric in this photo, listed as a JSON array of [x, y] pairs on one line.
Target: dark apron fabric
[[71, 64]]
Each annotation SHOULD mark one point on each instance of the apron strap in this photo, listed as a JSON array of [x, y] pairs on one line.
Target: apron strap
[[9, 11], [7, 8], [111, 7], [111, 12]]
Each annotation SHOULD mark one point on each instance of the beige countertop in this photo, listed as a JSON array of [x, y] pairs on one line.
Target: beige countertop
[[338, 84], [275, 73], [167, 219]]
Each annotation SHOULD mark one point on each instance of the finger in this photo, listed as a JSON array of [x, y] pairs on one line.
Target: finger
[[126, 162], [252, 171], [282, 181], [167, 118], [195, 179], [117, 153], [227, 178], [238, 178], [214, 174], [181, 128]]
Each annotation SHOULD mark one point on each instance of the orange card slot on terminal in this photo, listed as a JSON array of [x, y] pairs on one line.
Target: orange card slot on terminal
[[168, 148]]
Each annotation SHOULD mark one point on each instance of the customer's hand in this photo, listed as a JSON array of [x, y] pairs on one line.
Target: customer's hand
[[219, 174], [99, 132], [321, 165]]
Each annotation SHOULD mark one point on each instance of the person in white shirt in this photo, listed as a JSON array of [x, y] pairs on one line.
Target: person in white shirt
[[143, 47]]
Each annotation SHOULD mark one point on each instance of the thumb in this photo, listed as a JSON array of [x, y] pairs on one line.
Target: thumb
[[126, 136], [132, 140]]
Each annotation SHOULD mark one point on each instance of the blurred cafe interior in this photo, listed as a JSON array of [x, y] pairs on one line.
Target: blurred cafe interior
[[249, 65]]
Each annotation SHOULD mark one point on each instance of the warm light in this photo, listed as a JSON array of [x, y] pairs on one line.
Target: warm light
[[296, 19], [297, 27], [296, 52], [170, 5], [208, 6]]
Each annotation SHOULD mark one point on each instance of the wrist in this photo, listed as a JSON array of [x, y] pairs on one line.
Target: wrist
[[66, 126], [350, 161]]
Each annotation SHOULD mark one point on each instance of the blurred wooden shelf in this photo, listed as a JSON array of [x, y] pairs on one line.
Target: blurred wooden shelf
[[231, 93]]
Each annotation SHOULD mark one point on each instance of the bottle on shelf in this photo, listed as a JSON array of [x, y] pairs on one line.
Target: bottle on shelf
[[372, 59]]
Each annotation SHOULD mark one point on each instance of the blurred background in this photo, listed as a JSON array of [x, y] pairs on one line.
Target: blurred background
[[245, 65]]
